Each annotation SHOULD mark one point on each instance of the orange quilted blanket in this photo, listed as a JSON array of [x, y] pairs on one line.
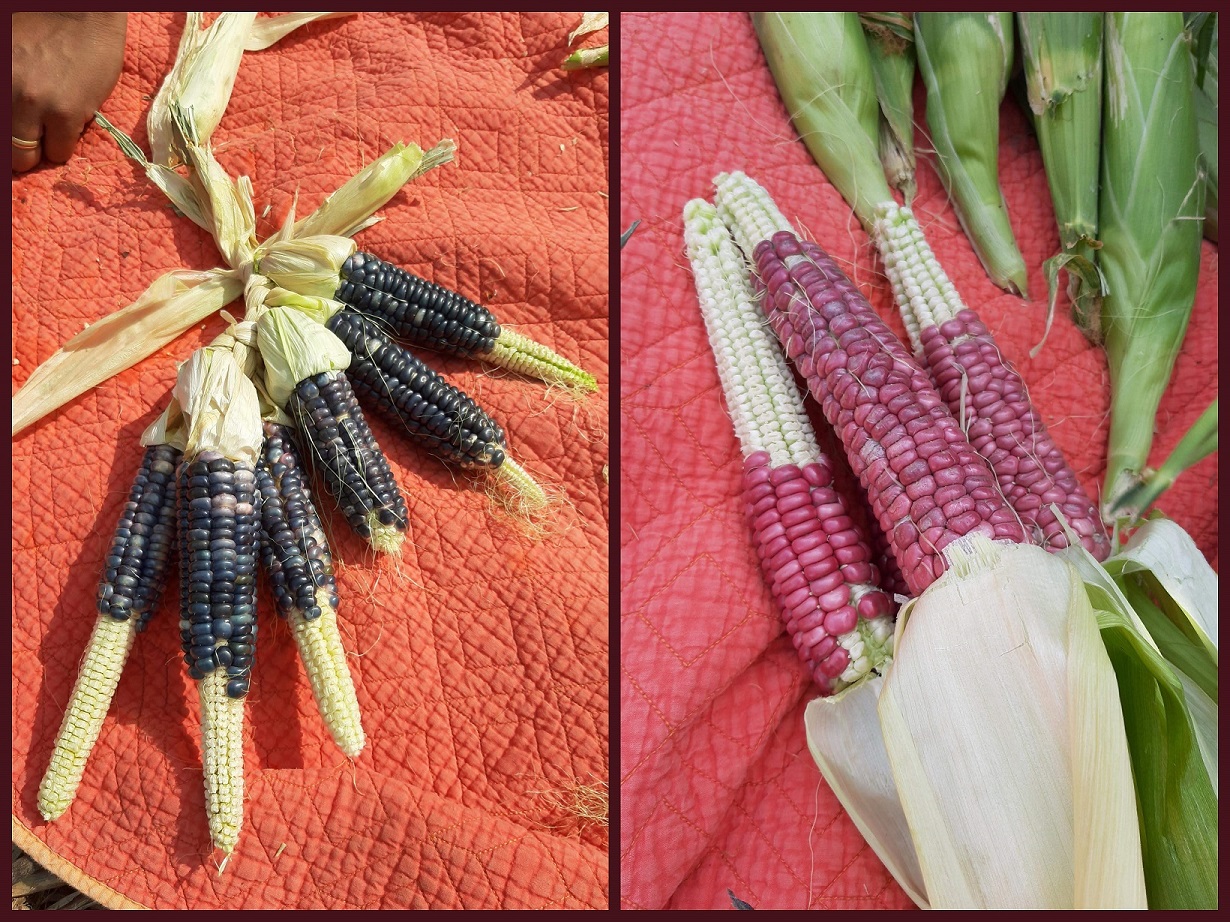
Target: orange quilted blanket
[[480, 656], [717, 790]]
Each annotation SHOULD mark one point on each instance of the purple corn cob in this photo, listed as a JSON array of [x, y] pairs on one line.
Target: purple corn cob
[[925, 482], [984, 392], [817, 563], [814, 556]]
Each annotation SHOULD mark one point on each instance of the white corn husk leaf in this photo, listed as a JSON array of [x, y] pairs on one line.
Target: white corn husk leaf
[[1002, 724], [200, 81], [295, 347], [220, 405], [590, 22], [306, 265], [173, 303], [203, 75], [844, 736], [351, 208], [170, 428], [1161, 547]]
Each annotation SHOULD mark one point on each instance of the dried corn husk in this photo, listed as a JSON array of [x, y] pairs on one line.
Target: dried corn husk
[[295, 347], [307, 265], [175, 302], [590, 22], [183, 118], [220, 405]]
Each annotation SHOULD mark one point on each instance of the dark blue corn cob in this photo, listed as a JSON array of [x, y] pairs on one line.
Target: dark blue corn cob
[[219, 521], [415, 310], [438, 415], [141, 549], [354, 468], [295, 553], [132, 582], [293, 547]]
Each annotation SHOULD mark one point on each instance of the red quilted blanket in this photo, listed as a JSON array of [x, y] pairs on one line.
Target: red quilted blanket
[[718, 791], [480, 656]]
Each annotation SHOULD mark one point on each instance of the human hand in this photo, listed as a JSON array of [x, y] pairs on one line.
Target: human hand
[[64, 66]]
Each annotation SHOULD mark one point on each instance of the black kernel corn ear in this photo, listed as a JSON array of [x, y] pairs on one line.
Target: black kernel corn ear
[[297, 561], [415, 310], [293, 547], [352, 465], [133, 576], [219, 522], [136, 566], [438, 415]]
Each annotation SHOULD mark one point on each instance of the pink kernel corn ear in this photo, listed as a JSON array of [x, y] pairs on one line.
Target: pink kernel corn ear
[[903, 443], [973, 378], [982, 390], [818, 568]]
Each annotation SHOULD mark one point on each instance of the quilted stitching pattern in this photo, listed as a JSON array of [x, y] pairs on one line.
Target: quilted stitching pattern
[[718, 789], [480, 657]]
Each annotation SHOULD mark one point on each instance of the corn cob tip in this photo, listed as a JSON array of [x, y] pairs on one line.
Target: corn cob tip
[[108, 650], [222, 756], [384, 539], [518, 353], [324, 661], [522, 494]]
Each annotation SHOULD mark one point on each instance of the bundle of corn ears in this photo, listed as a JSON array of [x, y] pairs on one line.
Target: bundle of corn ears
[[222, 470], [1007, 754]]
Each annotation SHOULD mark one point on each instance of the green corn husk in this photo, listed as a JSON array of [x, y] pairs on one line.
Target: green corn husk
[[1203, 27], [823, 71], [1156, 601], [1199, 442], [1150, 215], [965, 60], [890, 39], [1062, 58]]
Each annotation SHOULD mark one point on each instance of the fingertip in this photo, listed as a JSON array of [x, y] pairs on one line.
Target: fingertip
[[25, 160], [60, 138]]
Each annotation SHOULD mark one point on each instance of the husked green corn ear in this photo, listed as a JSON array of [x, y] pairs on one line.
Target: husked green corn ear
[[890, 40], [353, 467], [1062, 56], [423, 313], [219, 522], [1152, 202], [296, 557], [965, 60], [135, 573]]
